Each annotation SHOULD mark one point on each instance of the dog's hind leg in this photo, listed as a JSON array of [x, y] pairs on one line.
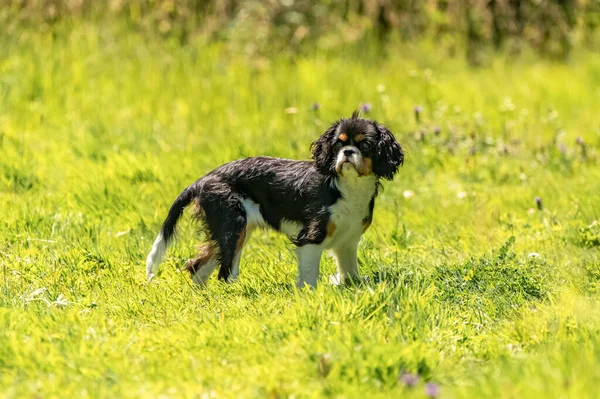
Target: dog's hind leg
[[225, 217], [230, 246], [235, 271], [204, 264]]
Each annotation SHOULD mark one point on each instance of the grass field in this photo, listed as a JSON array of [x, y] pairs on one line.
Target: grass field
[[469, 284]]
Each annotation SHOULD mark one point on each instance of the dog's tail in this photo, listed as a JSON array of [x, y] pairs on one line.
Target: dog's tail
[[165, 236]]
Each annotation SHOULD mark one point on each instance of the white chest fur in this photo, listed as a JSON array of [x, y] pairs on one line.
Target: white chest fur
[[348, 213]]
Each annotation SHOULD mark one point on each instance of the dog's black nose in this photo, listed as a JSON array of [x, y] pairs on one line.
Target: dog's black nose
[[349, 152]]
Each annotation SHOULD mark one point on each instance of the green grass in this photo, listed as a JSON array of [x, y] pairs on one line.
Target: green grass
[[467, 283]]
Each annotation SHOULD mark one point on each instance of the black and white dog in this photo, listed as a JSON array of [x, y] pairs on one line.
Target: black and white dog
[[325, 204]]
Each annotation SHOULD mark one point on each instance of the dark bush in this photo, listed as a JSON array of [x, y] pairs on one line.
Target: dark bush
[[549, 26]]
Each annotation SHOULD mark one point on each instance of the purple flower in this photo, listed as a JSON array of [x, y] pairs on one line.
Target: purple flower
[[538, 202], [418, 110], [583, 147], [365, 107], [409, 379], [562, 148], [437, 130], [316, 106], [432, 390]]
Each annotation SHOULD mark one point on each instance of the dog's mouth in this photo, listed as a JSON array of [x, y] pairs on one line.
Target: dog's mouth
[[345, 165], [350, 166]]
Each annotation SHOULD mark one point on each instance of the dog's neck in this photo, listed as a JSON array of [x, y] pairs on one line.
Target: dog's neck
[[356, 188]]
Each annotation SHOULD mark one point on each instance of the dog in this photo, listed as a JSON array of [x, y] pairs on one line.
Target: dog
[[324, 204]]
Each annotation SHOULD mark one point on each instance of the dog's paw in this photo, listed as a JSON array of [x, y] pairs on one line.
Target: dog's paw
[[335, 279], [338, 280], [303, 285]]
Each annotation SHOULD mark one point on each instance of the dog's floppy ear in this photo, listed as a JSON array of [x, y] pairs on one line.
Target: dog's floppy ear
[[322, 151], [388, 154]]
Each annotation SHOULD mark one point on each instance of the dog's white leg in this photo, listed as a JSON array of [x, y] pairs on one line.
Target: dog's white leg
[[235, 270], [204, 264], [309, 258], [201, 275], [347, 262]]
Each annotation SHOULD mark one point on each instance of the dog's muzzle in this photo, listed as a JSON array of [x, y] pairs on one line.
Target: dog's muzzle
[[349, 158]]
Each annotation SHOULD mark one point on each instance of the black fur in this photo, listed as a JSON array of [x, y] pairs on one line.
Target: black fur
[[322, 150], [175, 212], [388, 156], [371, 209], [283, 188]]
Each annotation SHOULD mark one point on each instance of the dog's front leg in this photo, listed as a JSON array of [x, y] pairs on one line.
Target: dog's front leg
[[347, 262], [309, 259]]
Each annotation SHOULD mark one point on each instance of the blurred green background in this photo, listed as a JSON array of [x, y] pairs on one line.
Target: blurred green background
[[473, 28]]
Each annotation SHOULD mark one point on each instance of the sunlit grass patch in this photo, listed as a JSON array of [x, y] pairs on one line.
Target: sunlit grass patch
[[481, 268]]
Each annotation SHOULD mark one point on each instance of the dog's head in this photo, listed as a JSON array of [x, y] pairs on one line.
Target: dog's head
[[357, 146]]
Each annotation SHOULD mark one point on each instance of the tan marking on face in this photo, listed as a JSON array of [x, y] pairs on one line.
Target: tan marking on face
[[343, 137], [359, 137], [330, 229], [366, 167], [366, 222]]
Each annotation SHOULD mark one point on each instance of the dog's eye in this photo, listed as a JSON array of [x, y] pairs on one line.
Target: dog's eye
[[365, 146], [338, 144]]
